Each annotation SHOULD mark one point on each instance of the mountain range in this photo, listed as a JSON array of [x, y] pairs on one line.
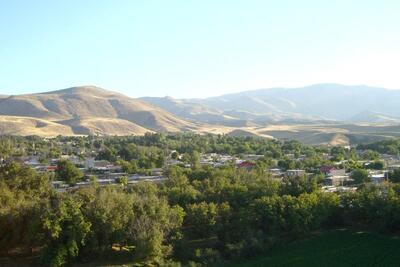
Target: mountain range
[[329, 102], [323, 113]]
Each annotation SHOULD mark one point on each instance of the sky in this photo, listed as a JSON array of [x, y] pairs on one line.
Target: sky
[[191, 48]]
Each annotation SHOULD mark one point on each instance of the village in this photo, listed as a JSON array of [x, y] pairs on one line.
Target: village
[[103, 172]]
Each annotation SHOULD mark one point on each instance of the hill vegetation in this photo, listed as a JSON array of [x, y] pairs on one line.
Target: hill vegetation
[[333, 248]]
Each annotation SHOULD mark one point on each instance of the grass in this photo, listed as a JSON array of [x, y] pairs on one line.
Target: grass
[[333, 248]]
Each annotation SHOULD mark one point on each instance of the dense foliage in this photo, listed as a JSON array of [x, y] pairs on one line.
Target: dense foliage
[[199, 216], [391, 147]]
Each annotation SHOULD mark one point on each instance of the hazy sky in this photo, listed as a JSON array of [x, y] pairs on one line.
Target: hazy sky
[[197, 48]]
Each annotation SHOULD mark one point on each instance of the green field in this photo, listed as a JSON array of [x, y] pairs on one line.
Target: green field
[[335, 248]]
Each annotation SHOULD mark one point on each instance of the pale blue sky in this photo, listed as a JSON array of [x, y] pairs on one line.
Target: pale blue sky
[[196, 48]]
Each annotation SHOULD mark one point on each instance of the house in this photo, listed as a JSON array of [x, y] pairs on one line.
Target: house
[[59, 186], [156, 171], [32, 162], [171, 162], [294, 173], [52, 168], [393, 167], [252, 157], [331, 188], [378, 176], [337, 172], [336, 177], [275, 172], [337, 180], [102, 166], [136, 178], [246, 165], [327, 169]]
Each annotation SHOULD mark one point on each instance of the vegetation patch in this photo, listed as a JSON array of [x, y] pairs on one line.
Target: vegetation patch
[[333, 248]]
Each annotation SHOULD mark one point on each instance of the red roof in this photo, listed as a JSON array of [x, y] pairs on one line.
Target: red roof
[[52, 168], [327, 169], [246, 164]]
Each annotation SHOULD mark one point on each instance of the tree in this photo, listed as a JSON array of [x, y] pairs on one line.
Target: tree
[[122, 180], [129, 152], [360, 176], [174, 155], [66, 230], [374, 205], [20, 213], [394, 176], [154, 222], [109, 210], [370, 155], [194, 159], [338, 153], [66, 171], [106, 154], [203, 219], [128, 166], [179, 190], [376, 165], [21, 177], [286, 164], [296, 186]]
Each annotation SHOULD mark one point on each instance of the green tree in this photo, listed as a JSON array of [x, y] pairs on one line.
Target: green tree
[[194, 159], [109, 210], [106, 154], [360, 176], [204, 219], [66, 230], [296, 186], [122, 180], [153, 223], [370, 155], [66, 171], [174, 155], [394, 176]]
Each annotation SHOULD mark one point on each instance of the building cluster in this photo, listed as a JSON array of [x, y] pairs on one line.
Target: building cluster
[[336, 178], [101, 171]]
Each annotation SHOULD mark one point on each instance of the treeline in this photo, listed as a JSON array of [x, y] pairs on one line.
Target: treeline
[[391, 147], [114, 147], [200, 216]]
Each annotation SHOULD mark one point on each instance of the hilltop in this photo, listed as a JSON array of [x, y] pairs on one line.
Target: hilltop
[[319, 114], [84, 110]]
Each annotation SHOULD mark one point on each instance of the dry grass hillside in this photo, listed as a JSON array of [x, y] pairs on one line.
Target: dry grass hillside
[[91, 110], [86, 110], [15, 125]]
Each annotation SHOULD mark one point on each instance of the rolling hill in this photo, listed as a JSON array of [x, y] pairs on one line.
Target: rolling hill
[[321, 102], [84, 110], [320, 114], [326, 101]]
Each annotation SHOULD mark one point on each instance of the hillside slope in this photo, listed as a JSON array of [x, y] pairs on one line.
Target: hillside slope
[[274, 113], [304, 104], [320, 101], [90, 109]]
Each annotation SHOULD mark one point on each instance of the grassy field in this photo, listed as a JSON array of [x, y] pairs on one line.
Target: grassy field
[[335, 248]]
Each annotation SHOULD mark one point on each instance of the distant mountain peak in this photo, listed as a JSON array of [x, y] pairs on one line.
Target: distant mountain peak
[[86, 89], [373, 117]]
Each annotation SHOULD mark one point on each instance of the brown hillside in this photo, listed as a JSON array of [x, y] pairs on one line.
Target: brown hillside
[[90, 109]]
